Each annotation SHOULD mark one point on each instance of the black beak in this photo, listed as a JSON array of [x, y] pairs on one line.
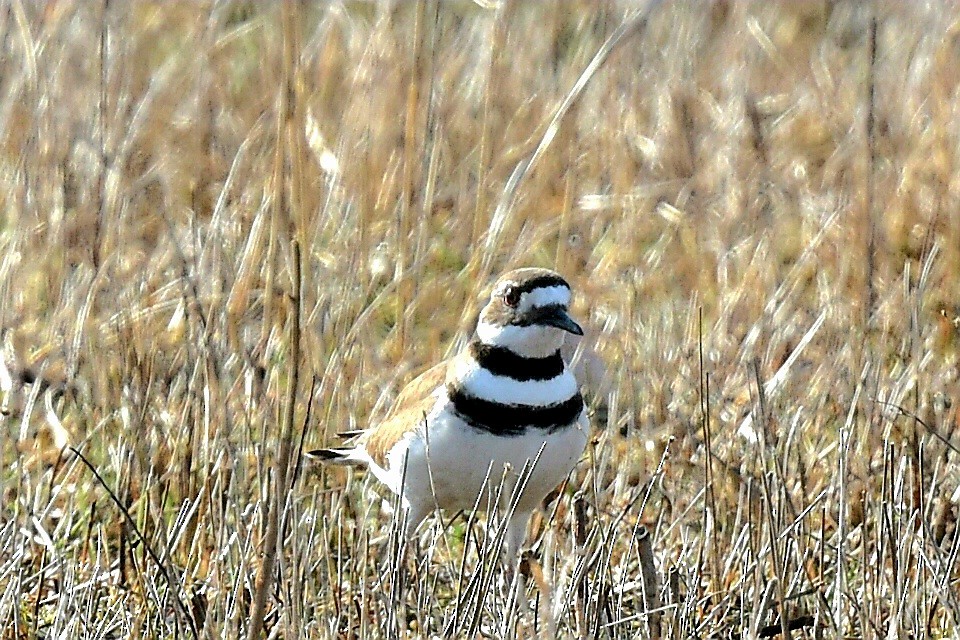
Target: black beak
[[557, 316]]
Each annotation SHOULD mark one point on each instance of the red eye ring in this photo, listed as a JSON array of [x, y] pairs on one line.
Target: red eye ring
[[511, 296]]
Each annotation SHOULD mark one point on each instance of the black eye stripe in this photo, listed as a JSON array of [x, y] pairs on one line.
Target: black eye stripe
[[534, 315], [544, 281]]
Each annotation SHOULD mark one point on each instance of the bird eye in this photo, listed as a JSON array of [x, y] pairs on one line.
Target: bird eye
[[511, 297]]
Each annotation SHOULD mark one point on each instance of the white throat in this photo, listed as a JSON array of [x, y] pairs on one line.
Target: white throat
[[530, 341]]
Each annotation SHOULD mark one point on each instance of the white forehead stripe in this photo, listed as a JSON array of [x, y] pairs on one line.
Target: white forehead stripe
[[546, 296]]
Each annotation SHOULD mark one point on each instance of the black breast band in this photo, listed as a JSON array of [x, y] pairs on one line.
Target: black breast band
[[513, 419], [501, 361]]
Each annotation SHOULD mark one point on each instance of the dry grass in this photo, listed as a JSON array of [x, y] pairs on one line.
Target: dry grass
[[783, 400]]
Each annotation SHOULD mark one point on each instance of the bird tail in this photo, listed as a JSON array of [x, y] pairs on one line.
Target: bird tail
[[334, 456]]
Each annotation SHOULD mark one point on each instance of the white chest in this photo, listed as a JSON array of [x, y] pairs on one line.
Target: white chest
[[452, 463]]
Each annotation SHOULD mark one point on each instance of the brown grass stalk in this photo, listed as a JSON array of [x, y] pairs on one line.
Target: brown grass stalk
[[286, 208]]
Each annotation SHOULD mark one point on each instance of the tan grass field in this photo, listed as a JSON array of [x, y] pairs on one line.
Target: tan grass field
[[230, 230]]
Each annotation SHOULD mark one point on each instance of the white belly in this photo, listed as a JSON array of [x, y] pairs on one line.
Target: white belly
[[452, 463]]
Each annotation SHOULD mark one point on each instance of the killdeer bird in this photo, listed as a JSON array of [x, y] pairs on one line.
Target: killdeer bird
[[504, 410]]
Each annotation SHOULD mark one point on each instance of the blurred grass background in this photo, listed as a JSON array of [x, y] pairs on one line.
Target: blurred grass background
[[756, 204]]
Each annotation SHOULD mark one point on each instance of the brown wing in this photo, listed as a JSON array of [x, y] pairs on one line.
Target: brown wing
[[419, 388], [379, 441], [413, 403], [587, 366]]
